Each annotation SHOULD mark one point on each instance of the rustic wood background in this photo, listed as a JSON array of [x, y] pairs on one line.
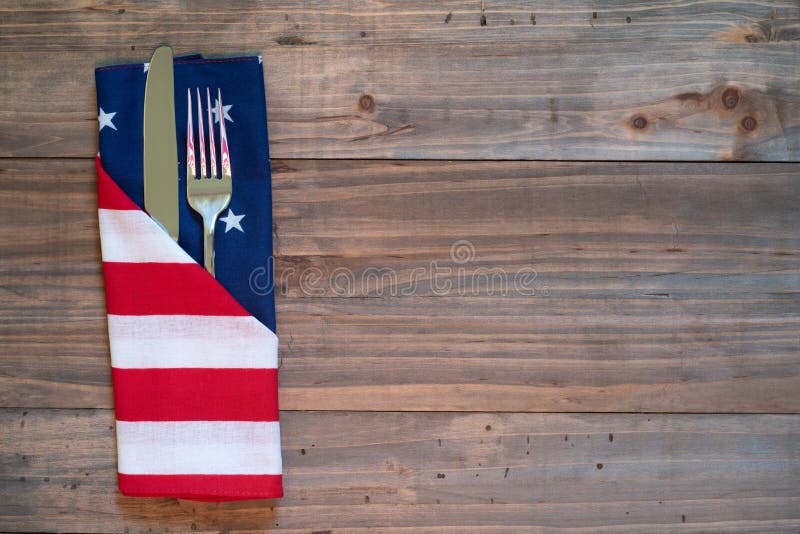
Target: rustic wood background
[[640, 157]]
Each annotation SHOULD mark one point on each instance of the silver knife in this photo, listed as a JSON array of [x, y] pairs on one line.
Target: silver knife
[[160, 143]]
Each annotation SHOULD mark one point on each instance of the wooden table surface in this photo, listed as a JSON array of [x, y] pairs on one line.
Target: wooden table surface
[[630, 168]]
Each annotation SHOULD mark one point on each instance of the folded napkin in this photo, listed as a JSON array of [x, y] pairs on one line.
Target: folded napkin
[[194, 358]]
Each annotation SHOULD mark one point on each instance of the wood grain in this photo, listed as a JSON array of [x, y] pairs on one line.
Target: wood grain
[[551, 80], [658, 287], [496, 472]]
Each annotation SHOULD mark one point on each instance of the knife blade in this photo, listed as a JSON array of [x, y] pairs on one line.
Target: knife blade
[[160, 143]]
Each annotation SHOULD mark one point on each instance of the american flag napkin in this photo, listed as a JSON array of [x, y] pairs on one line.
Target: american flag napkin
[[194, 358]]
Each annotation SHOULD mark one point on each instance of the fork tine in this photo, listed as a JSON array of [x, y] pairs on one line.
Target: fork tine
[[191, 161], [201, 136], [212, 150], [225, 155]]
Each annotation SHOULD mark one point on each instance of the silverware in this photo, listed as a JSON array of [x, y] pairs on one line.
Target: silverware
[[208, 193], [160, 143]]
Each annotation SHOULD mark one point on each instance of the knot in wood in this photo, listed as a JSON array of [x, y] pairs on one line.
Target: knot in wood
[[366, 103], [730, 98], [749, 123]]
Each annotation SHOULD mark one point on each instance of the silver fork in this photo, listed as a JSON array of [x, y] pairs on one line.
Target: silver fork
[[208, 194]]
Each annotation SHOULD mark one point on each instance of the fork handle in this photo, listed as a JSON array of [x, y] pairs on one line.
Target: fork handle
[[208, 245]]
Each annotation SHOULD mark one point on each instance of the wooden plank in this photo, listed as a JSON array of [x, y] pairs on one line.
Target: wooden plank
[[551, 80], [53, 304], [659, 287], [572, 220], [610, 472]]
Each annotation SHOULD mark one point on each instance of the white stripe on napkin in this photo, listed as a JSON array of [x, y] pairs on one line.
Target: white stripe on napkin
[[168, 341], [199, 448], [130, 236]]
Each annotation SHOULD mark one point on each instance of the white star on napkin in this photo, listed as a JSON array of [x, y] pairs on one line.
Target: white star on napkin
[[225, 110], [105, 119], [232, 220]]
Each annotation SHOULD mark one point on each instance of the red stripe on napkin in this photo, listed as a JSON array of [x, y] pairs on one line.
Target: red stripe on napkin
[[182, 394], [109, 194], [225, 487], [166, 289]]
